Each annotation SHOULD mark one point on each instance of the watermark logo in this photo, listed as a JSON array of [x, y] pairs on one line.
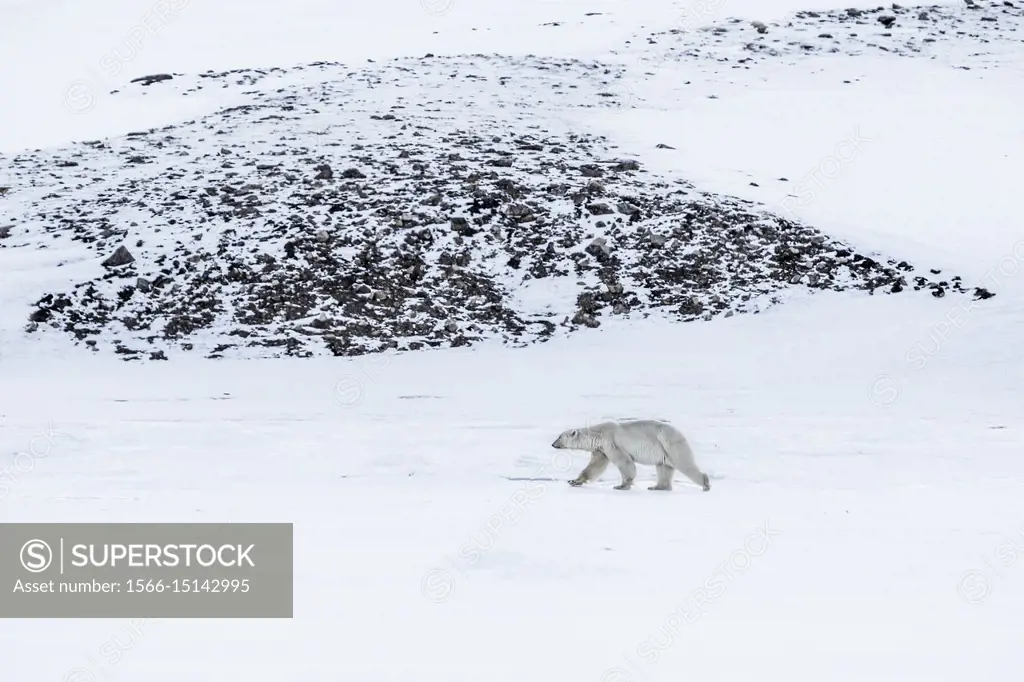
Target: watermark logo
[[438, 584], [80, 95], [25, 462], [975, 586], [622, 95], [146, 555], [350, 389], [133, 570], [695, 606], [79, 675], [886, 389], [111, 652], [616, 675], [437, 8], [36, 556]]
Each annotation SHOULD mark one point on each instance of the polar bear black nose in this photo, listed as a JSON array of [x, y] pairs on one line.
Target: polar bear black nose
[[556, 445]]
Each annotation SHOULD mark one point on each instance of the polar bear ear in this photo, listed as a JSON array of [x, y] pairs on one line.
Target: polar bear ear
[[574, 433]]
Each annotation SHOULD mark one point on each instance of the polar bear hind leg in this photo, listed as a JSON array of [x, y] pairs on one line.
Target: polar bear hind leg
[[665, 472], [680, 455]]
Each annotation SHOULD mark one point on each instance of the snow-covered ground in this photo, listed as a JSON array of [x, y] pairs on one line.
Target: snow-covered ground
[[866, 516]]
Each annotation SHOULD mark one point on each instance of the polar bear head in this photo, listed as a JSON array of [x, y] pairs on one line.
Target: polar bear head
[[576, 439]]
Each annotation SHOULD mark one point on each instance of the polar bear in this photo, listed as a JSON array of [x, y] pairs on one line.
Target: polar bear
[[627, 443]]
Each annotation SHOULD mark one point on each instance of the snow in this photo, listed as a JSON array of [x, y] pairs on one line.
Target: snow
[[871, 160], [865, 519]]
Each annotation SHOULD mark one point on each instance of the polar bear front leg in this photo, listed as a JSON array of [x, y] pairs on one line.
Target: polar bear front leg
[[625, 464], [598, 463]]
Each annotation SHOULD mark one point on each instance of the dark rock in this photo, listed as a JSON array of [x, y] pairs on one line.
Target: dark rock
[[120, 257], [155, 78], [598, 248], [586, 320], [462, 227]]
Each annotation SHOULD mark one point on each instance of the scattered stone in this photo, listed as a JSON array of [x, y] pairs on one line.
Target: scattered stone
[[155, 78], [462, 227], [120, 257], [599, 247]]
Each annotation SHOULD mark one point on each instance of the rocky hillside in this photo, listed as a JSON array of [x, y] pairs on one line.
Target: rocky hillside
[[420, 203]]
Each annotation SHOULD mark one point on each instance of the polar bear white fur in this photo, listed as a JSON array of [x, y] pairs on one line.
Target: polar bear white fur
[[628, 443]]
